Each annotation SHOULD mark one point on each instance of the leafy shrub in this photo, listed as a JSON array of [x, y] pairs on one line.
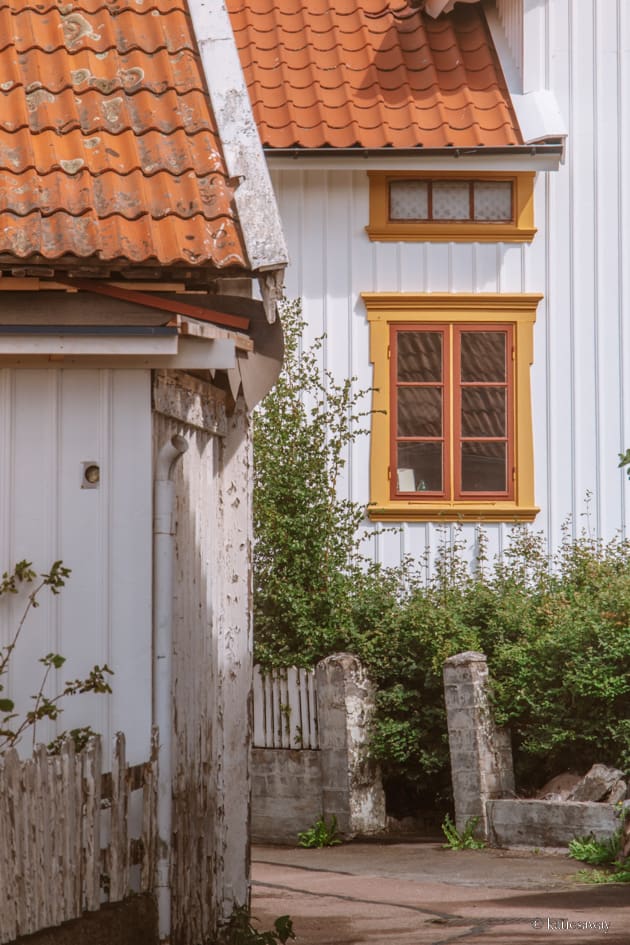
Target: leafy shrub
[[306, 548], [320, 835], [12, 725], [555, 629], [604, 853], [464, 840], [241, 931]]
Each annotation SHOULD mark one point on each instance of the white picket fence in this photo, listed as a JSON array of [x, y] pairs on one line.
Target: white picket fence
[[65, 846], [285, 708]]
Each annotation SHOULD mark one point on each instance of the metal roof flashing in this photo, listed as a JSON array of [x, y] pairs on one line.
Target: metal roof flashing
[[535, 156]]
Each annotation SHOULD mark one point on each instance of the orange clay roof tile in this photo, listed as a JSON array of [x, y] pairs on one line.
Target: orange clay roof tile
[[108, 146], [371, 74]]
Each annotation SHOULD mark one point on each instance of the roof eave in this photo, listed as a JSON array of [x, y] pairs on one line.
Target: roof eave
[[540, 155]]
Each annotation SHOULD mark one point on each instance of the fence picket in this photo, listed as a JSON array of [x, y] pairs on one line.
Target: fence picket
[[50, 833], [285, 709], [41, 842], [119, 844], [91, 852], [71, 833], [13, 787], [294, 714], [8, 922], [312, 710], [259, 706]]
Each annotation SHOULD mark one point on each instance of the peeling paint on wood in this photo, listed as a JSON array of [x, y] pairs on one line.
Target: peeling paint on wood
[[52, 863], [191, 401], [211, 676]]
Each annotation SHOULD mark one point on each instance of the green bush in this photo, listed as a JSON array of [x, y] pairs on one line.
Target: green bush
[[556, 630]]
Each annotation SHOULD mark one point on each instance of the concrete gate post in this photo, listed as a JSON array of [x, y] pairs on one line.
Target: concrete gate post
[[481, 753], [351, 782]]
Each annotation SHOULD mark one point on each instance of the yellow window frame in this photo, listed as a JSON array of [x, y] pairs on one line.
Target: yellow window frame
[[387, 309], [520, 229]]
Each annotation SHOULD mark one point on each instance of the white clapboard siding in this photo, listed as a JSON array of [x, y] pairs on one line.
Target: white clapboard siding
[[55, 813], [579, 260], [285, 708]]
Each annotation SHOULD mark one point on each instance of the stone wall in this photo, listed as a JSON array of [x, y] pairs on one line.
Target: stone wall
[[286, 793], [483, 776], [293, 788], [481, 753], [547, 823]]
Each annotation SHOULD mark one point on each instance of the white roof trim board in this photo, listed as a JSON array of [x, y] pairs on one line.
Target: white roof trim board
[[254, 197]]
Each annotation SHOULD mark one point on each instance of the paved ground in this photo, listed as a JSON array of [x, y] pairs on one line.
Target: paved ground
[[420, 894]]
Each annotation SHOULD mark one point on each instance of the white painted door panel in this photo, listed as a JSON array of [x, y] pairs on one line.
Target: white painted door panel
[[51, 423]]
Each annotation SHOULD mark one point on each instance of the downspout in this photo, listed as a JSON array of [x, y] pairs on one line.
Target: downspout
[[163, 567]]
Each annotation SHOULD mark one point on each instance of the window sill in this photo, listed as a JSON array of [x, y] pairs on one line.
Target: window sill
[[449, 233], [401, 511]]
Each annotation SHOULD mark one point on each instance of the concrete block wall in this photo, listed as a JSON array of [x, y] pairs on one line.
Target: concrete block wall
[[547, 823], [481, 754], [293, 788], [286, 793], [483, 775]]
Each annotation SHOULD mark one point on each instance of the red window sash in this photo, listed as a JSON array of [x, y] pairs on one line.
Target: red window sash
[[458, 437], [452, 438]]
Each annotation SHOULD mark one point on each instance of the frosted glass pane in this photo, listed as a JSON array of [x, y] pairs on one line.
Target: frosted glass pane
[[409, 200], [493, 200], [451, 201]]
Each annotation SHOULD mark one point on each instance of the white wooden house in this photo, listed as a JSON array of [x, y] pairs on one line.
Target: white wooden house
[[454, 187], [135, 212]]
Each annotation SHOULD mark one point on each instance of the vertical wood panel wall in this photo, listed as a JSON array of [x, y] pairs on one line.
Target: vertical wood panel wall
[[51, 421], [580, 260]]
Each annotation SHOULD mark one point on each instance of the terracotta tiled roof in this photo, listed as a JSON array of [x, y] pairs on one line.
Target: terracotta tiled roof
[[371, 74], [108, 146]]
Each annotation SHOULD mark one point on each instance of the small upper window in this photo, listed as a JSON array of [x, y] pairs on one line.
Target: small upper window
[[451, 200], [485, 207]]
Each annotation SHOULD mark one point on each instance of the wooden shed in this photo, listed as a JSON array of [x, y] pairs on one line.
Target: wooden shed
[[136, 212]]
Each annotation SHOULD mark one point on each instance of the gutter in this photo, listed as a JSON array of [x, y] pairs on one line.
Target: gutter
[[163, 567], [553, 147]]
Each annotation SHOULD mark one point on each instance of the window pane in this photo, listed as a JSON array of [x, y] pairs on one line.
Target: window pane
[[409, 200], [493, 200], [451, 201], [484, 411], [484, 467], [419, 411], [419, 467], [483, 356], [419, 356]]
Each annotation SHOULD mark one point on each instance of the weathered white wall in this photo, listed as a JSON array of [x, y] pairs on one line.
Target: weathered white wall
[[580, 260], [212, 673], [51, 421]]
